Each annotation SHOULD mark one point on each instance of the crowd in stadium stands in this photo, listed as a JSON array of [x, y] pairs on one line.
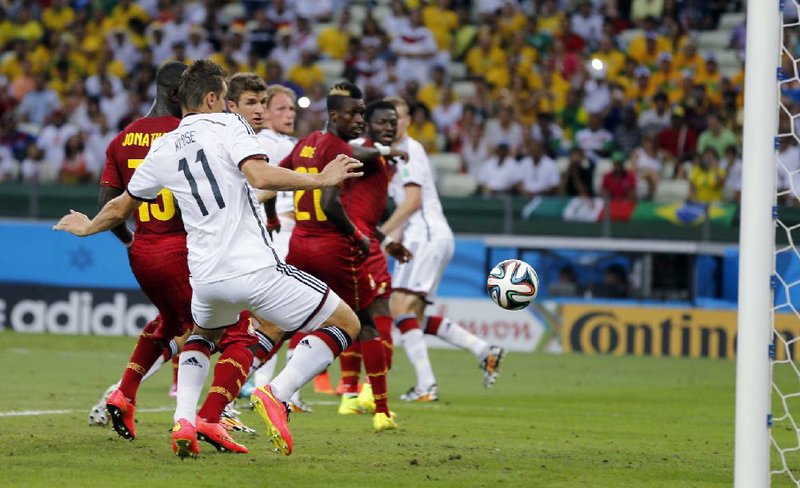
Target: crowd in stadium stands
[[553, 91]]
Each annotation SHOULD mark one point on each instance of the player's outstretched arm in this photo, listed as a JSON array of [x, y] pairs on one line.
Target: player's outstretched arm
[[112, 214], [123, 233], [404, 211], [267, 177], [332, 206]]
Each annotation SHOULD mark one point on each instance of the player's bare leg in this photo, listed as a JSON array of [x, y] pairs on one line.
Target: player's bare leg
[[313, 355], [408, 309]]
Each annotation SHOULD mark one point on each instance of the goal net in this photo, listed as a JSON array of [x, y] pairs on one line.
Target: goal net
[[785, 405]]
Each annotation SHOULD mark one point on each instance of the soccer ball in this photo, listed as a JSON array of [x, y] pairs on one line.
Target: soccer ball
[[513, 284]]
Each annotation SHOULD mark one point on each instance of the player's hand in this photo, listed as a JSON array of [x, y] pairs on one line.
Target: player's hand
[[362, 244], [340, 169], [273, 225], [398, 153], [399, 252], [74, 222]]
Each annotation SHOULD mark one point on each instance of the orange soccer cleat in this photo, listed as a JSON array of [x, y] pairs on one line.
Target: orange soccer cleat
[[276, 418], [184, 439], [217, 436], [322, 384], [122, 413]]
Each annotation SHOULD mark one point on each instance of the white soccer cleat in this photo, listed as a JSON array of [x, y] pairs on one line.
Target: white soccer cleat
[[99, 415]]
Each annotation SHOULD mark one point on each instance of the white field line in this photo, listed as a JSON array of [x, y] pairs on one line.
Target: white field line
[[34, 413]]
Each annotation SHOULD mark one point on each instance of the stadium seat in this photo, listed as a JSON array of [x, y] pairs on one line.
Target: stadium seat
[[457, 185], [726, 58], [333, 68], [730, 20], [464, 89], [446, 162], [713, 40], [672, 190], [458, 71], [562, 163], [603, 167], [380, 12]]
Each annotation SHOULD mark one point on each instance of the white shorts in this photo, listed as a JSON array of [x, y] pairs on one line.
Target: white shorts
[[280, 240], [423, 273], [291, 299]]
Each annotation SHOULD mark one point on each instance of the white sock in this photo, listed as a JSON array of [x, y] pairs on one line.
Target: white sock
[[265, 372], [460, 337], [417, 351], [306, 362], [155, 367], [192, 374]]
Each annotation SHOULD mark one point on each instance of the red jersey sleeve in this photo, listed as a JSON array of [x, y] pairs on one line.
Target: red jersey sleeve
[[112, 176]]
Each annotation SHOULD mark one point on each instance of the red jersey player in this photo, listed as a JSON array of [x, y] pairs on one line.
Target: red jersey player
[[329, 245], [158, 259]]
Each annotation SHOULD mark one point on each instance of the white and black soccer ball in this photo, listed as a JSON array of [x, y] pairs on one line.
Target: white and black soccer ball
[[513, 284]]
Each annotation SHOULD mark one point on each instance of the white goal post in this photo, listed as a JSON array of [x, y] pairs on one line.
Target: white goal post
[[757, 245]]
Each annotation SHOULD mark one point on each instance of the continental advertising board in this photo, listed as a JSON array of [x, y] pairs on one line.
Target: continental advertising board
[[671, 332]]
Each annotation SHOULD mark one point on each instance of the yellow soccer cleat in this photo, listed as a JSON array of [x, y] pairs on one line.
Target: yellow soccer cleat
[[381, 422], [365, 399], [349, 405]]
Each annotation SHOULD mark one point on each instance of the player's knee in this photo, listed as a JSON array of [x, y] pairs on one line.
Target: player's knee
[[346, 319]]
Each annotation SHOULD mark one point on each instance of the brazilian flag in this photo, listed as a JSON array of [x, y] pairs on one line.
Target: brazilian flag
[[684, 213]]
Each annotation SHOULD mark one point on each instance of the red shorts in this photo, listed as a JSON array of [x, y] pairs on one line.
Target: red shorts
[[377, 267], [334, 260], [159, 264], [243, 333]]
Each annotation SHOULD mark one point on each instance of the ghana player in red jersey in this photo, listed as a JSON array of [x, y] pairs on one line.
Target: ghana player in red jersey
[[158, 259], [328, 243]]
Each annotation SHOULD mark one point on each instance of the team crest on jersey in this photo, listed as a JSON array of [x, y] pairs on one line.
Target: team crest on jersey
[[308, 152]]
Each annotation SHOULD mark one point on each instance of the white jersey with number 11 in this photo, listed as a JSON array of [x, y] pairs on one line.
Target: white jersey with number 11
[[199, 163]]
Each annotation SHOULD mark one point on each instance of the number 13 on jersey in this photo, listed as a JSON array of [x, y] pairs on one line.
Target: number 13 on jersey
[[162, 212], [316, 195]]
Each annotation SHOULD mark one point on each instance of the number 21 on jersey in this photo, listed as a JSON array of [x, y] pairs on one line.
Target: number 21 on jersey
[[162, 212], [316, 195]]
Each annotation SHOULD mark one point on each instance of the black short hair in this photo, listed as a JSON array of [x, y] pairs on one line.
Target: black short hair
[[242, 82], [341, 92], [202, 77], [375, 106], [169, 74]]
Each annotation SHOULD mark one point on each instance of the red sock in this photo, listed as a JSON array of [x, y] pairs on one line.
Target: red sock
[[350, 361], [407, 322], [295, 340], [384, 325], [375, 363], [144, 355], [229, 375], [432, 324]]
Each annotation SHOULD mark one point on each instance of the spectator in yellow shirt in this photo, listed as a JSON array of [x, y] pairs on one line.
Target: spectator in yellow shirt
[[665, 79], [641, 90], [442, 21], [58, 16], [422, 128], [511, 21], [125, 11], [485, 55], [26, 27], [431, 93], [306, 73], [519, 49], [689, 58], [612, 58], [550, 19], [645, 49], [333, 41], [707, 178], [7, 28], [712, 79]]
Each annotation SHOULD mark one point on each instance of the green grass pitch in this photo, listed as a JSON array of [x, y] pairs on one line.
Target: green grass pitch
[[551, 421]]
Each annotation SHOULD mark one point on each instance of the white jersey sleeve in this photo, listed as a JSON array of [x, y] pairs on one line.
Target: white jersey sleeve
[[146, 182], [241, 141], [277, 147]]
